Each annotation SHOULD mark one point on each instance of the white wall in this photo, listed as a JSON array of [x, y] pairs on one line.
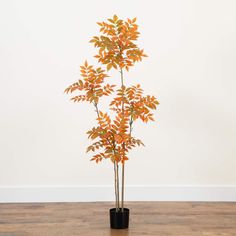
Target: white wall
[[190, 68]]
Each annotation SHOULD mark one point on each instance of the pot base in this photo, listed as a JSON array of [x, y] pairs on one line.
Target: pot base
[[119, 219]]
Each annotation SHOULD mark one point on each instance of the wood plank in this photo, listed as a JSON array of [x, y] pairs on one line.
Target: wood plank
[[92, 219]]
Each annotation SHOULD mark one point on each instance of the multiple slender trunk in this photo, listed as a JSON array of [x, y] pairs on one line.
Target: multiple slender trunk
[[116, 166], [119, 203]]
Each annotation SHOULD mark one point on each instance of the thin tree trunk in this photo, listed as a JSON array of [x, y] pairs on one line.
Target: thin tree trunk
[[116, 173], [123, 186], [123, 164], [118, 185], [116, 196]]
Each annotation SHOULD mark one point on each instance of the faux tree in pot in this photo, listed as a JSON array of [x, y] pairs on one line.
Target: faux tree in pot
[[113, 138]]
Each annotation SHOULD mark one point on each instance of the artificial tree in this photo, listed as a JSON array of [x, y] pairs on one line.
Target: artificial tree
[[113, 133]]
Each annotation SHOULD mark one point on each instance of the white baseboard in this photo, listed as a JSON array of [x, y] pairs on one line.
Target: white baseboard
[[106, 193]]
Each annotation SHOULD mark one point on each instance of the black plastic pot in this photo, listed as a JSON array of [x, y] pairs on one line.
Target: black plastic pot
[[119, 219]]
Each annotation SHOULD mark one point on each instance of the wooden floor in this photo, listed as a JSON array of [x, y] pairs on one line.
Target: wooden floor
[[91, 219]]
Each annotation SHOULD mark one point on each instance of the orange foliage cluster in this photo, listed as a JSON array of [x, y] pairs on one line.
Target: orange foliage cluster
[[116, 50], [116, 44], [92, 83]]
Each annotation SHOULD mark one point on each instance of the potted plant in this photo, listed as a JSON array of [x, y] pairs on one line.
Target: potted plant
[[113, 138]]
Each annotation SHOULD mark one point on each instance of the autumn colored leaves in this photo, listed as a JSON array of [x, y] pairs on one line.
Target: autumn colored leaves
[[113, 133], [116, 44], [135, 105], [92, 84]]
